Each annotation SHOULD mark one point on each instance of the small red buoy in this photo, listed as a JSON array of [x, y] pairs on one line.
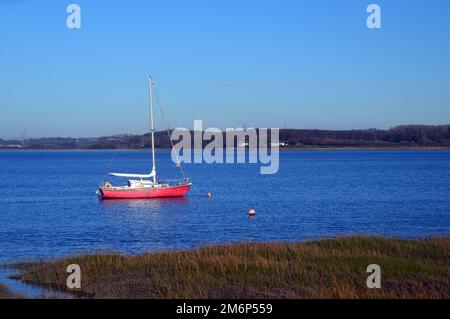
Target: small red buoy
[[209, 194], [251, 212]]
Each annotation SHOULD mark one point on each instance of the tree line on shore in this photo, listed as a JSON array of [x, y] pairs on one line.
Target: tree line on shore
[[400, 136]]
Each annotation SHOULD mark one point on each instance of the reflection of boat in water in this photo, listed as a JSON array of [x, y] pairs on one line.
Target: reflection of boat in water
[[145, 185], [143, 205]]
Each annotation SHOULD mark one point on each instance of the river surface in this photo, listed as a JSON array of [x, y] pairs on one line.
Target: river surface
[[48, 205]]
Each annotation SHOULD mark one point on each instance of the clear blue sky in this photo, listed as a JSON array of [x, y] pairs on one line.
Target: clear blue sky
[[264, 63]]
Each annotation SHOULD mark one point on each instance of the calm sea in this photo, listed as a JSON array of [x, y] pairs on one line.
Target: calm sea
[[48, 205]]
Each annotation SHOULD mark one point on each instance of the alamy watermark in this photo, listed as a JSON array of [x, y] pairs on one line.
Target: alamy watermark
[[374, 19], [74, 279], [374, 279], [235, 145], [73, 21]]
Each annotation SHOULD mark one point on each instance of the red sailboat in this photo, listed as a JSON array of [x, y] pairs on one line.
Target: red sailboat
[[145, 185]]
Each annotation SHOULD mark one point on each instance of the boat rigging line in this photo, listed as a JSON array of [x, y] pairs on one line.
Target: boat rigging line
[[178, 164]]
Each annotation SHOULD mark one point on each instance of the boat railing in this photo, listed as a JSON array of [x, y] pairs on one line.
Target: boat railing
[[180, 181]]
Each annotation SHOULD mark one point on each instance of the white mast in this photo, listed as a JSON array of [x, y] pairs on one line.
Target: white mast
[[152, 130]]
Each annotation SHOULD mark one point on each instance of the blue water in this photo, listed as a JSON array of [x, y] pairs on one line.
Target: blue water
[[29, 290], [48, 205]]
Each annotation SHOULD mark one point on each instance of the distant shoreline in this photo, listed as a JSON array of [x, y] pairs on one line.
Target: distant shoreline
[[309, 148], [399, 137]]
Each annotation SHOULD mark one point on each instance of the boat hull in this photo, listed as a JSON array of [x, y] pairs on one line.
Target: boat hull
[[170, 191]]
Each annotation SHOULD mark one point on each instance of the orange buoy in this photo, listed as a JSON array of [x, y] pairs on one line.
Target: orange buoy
[[252, 212]]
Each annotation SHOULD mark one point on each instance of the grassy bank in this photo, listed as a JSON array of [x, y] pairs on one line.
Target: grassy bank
[[333, 268]]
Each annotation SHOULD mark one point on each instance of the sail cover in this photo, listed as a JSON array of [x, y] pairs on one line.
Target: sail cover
[[152, 174]]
